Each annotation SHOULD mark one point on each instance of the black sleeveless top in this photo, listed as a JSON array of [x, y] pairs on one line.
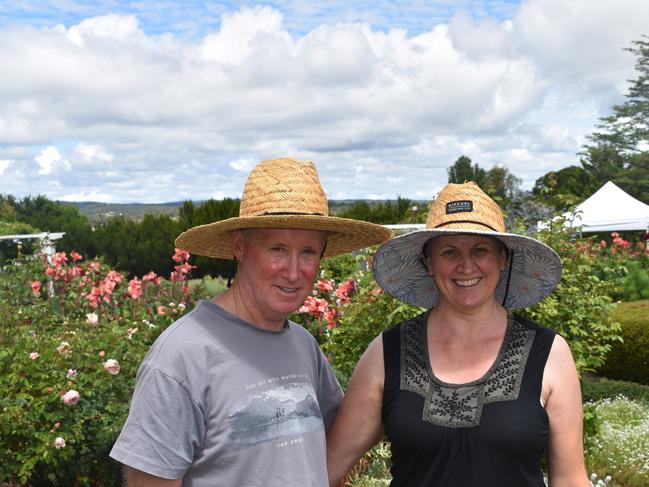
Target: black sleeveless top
[[487, 433]]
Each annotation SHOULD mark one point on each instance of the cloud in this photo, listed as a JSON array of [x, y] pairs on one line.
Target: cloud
[[95, 196], [4, 164], [244, 165], [91, 155], [130, 110], [49, 159]]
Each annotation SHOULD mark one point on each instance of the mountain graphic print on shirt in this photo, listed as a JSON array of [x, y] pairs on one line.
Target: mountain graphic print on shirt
[[286, 410]]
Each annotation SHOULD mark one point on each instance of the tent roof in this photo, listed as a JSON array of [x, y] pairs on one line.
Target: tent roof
[[611, 209]]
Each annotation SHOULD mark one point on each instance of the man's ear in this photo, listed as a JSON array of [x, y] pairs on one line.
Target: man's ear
[[238, 241]]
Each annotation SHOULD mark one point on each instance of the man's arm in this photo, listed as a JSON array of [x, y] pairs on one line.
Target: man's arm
[[137, 478]]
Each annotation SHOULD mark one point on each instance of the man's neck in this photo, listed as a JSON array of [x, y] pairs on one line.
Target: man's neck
[[232, 301]]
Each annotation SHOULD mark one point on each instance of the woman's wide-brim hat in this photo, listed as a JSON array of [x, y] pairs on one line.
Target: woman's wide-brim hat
[[283, 193], [533, 269]]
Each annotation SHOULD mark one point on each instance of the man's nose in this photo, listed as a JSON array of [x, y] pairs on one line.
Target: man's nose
[[293, 267]]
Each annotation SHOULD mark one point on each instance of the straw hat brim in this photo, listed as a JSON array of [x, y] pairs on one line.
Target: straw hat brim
[[399, 271], [344, 234]]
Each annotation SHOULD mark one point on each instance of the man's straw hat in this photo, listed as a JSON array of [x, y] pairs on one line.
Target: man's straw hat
[[283, 193], [533, 270]]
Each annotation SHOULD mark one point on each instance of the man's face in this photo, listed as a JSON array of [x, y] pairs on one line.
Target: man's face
[[276, 271]]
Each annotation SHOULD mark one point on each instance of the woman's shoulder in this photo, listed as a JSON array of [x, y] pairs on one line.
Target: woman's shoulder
[[532, 325], [415, 321]]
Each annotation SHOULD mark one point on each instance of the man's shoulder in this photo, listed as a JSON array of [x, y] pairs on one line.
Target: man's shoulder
[[188, 338], [301, 333]]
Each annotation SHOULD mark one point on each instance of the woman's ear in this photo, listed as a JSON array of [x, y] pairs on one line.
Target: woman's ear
[[504, 259]]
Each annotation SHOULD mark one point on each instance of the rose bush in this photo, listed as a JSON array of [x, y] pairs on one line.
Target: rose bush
[[72, 334], [70, 348]]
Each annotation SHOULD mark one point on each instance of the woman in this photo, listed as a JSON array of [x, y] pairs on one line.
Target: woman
[[468, 393]]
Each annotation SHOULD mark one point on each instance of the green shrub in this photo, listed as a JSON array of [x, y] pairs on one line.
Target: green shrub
[[580, 307], [595, 389], [345, 316], [629, 360], [373, 470], [636, 283]]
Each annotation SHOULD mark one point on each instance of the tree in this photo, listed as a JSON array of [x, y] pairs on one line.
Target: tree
[[463, 170], [208, 212], [54, 216], [619, 149], [501, 184], [563, 188]]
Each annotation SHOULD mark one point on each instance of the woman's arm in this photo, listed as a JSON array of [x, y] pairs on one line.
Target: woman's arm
[[564, 407], [358, 424]]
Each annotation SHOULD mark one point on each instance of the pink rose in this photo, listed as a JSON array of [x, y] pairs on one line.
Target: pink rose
[[102, 353], [161, 310], [325, 285], [59, 443], [34, 355], [36, 287], [75, 256], [135, 288], [70, 398], [180, 255], [151, 276], [59, 259], [71, 374], [64, 348], [111, 366], [92, 318]]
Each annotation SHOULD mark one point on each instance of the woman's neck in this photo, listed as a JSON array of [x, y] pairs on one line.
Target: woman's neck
[[485, 321]]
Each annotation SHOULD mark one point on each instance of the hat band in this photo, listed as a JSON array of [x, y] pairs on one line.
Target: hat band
[[465, 221], [271, 213]]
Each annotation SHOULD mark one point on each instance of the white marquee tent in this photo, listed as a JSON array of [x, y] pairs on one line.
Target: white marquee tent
[[610, 209]]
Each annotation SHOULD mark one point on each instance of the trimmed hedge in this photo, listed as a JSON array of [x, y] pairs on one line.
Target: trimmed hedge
[[595, 389], [629, 360]]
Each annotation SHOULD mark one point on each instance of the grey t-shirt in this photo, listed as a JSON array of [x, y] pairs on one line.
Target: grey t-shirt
[[220, 402]]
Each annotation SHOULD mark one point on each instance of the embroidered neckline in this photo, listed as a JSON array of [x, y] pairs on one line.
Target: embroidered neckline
[[460, 405]]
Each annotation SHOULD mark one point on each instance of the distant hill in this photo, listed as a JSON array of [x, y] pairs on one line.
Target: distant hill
[[96, 212]]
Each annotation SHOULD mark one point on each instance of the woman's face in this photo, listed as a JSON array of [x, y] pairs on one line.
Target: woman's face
[[466, 269]]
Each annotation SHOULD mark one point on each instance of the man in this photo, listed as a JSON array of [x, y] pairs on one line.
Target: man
[[234, 394]]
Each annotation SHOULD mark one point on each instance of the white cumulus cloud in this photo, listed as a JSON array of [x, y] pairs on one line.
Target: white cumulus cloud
[[149, 116], [4, 165], [49, 160]]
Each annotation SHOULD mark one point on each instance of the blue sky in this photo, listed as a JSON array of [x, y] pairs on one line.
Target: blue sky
[[197, 18], [148, 101]]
